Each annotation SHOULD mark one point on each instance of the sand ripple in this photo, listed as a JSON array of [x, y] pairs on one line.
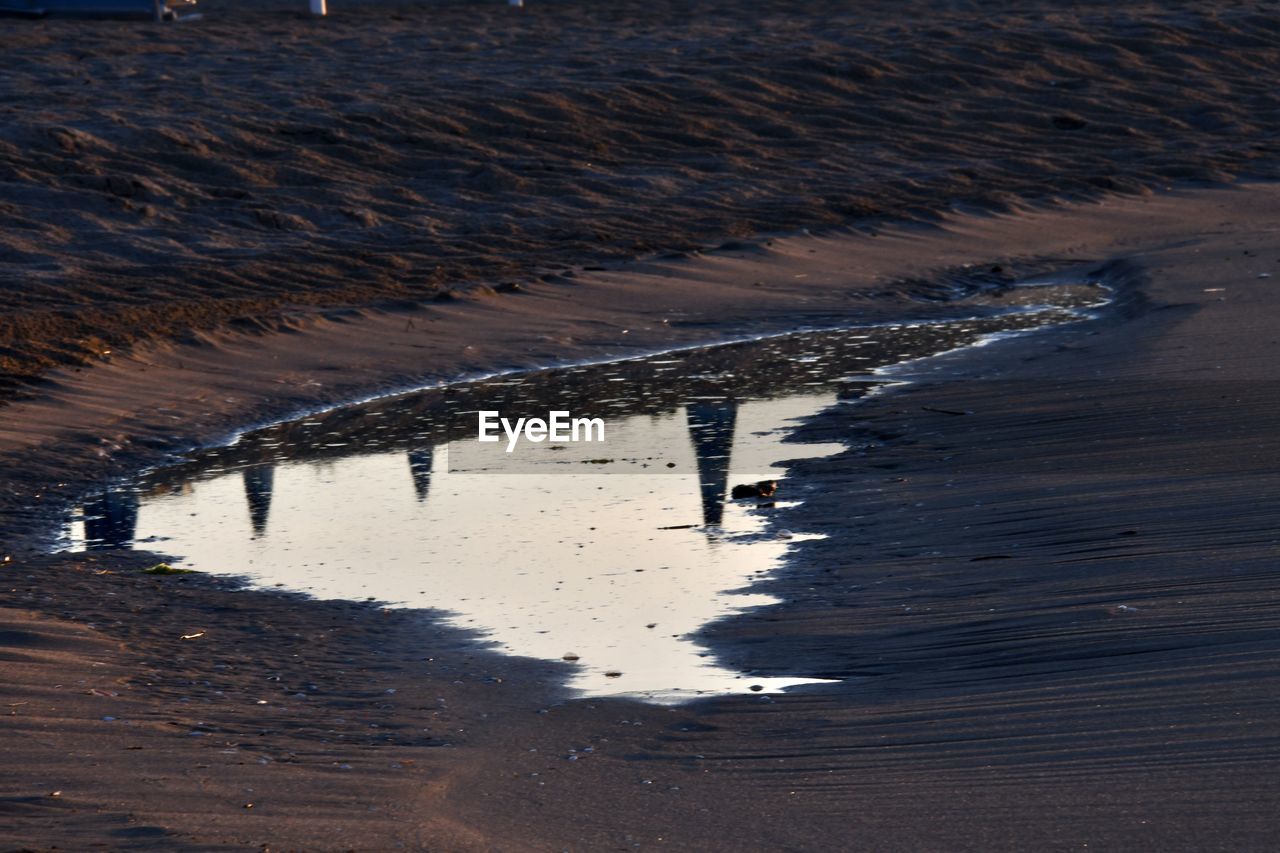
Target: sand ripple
[[158, 179]]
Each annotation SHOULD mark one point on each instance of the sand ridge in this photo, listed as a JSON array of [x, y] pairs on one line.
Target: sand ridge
[[155, 180]]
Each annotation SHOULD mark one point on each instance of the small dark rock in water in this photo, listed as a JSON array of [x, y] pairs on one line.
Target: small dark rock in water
[[757, 687], [763, 489]]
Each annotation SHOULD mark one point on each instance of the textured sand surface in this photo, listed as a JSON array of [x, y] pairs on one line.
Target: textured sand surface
[[1053, 617], [155, 179]]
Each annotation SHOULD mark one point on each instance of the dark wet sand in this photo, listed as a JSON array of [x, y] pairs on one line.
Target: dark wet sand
[[1053, 616], [1087, 557]]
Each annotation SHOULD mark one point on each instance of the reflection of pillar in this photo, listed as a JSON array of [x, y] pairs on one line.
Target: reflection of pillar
[[258, 483], [711, 431], [420, 470], [110, 520]]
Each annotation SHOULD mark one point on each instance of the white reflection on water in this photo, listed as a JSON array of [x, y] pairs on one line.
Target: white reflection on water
[[616, 567], [578, 564]]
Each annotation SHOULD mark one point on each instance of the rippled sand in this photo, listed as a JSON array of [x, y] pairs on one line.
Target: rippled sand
[[154, 178]]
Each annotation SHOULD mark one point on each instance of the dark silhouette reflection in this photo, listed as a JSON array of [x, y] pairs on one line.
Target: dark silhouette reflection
[[707, 382], [420, 470], [110, 520], [766, 369], [258, 483], [711, 426]]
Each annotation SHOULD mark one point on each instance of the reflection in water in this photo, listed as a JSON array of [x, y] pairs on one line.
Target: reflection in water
[[552, 552], [258, 480], [711, 433], [420, 462], [110, 520]]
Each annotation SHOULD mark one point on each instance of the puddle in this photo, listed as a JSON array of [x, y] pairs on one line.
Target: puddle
[[606, 557]]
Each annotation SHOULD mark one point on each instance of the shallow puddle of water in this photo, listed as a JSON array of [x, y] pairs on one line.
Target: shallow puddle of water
[[608, 557]]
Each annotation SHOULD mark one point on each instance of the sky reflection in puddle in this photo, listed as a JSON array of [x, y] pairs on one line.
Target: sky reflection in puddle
[[607, 557]]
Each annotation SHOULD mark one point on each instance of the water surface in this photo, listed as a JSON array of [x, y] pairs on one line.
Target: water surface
[[606, 557]]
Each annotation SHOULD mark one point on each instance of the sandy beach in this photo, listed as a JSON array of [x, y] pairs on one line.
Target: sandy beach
[[259, 162], [1047, 591]]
